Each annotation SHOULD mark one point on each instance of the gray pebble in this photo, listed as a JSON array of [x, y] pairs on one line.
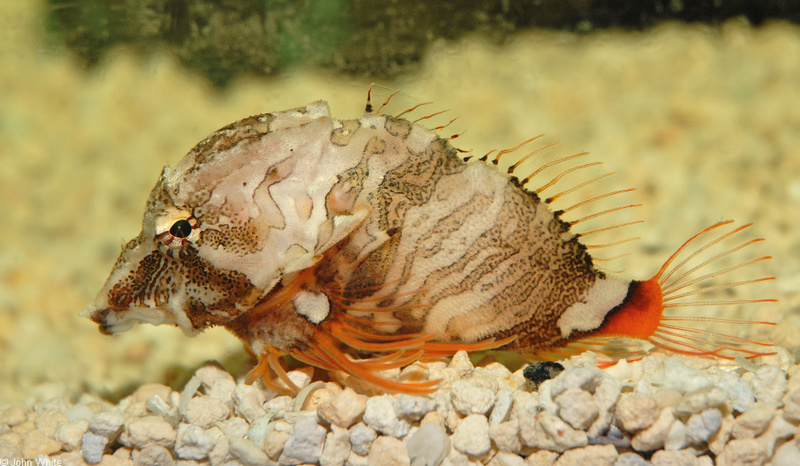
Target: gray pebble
[[92, 447], [428, 445], [249, 401], [380, 415], [502, 406], [361, 438], [413, 407], [305, 442], [193, 442], [700, 427], [630, 459], [337, 447], [106, 423]]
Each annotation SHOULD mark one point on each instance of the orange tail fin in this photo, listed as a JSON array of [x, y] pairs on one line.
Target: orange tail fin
[[682, 282]]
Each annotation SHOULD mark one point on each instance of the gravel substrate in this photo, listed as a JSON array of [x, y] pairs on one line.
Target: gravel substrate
[[660, 410]]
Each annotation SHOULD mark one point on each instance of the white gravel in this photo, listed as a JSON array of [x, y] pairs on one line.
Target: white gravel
[[667, 410]]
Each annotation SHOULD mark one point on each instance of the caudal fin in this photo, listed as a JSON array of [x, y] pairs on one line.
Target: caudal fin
[[693, 276]]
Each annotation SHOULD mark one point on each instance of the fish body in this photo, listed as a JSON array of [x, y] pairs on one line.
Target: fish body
[[361, 245]]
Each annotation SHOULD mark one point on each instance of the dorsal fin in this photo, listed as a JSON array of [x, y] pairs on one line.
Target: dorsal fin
[[578, 191]]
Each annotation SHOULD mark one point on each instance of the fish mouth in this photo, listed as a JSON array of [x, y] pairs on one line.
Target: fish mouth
[[112, 320]]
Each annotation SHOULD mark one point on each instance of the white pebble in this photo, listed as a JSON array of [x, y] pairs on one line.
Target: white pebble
[[247, 453], [107, 424], [344, 409], [92, 447], [673, 458], [156, 405], [504, 458], [249, 401], [677, 436], [461, 363], [280, 404], [636, 412], [301, 377], [700, 427], [472, 435], [498, 371], [469, 398], [150, 430], [79, 411], [205, 411], [356, 460], [305, 442], [258, 429], [524, 410], [506, 435], [606, 395], [575, 377], [630, 459], [752, 422], [577, 407], [234, 427], [653, 437], [787, 455], [428, 445], [739, 392], [361, 438], [743, 451], [221, 453], [541, 458], [388, 451], [380, 415], [791, 406], [595, 455], [211, 373], [337, 447], [699, 400], [769, 384], [673, 374], [413, 407], [274, 442], [193, 442], [154, 455], [554, 434], [70, 433], [13, 416], [502, 406]]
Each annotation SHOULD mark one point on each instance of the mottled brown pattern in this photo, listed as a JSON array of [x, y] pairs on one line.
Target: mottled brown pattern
[[398, 127], [341, 136], [229, 136], [413, 182], [233, 239], [145, 282], [375, 146]]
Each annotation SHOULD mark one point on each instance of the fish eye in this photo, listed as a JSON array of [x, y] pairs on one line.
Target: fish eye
[[181, 229]]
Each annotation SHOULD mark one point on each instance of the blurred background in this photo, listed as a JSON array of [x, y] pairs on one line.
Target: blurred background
[[694, 105]]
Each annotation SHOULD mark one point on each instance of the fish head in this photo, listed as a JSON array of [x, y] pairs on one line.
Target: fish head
[[161, 276], [239, 212]]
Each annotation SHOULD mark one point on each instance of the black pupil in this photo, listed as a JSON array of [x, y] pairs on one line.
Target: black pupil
[[181, 229]]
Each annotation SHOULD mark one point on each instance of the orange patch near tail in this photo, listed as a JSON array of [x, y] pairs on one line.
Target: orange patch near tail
[[641, 315]]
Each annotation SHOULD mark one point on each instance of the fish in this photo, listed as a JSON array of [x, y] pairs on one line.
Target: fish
[[367, 244]]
